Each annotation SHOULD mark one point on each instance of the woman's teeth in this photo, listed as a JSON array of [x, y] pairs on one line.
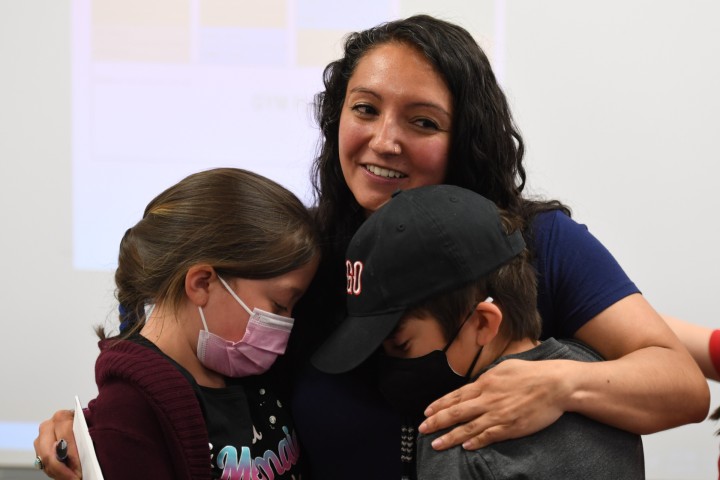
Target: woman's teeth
[[384, 172]]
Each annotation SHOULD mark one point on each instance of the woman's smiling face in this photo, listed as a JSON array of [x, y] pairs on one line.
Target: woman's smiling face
[[395, 125]]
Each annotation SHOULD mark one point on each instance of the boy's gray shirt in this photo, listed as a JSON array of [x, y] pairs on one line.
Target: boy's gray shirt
[[573, 447]]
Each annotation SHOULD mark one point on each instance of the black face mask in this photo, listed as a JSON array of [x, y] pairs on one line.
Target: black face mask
[[411, 384]]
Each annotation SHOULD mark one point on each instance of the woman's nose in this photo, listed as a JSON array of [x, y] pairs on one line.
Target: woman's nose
[[386, 138]]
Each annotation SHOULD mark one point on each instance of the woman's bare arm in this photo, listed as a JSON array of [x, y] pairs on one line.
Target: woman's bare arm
[[696, 339], [649, 383]]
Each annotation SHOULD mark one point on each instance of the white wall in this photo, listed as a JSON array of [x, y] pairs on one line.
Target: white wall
[[48, 349], [617, 101]]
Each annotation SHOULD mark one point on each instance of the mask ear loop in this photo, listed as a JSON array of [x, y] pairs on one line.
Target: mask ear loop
[[457, 332], [202, 317], [149, 312], [472, 365], [234, 295], [477, 355]]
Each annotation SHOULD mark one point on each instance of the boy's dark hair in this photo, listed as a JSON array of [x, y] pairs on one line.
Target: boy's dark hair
[[513, 288]]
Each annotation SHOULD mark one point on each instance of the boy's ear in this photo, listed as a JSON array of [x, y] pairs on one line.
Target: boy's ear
[[489, 317], [197, 283]]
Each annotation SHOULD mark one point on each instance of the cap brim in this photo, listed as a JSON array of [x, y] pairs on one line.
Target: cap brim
[[353, 342]]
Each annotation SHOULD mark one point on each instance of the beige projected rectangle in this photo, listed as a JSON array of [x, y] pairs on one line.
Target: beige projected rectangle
[[245, 14], [148, 13], [316, 48], [141, 30]]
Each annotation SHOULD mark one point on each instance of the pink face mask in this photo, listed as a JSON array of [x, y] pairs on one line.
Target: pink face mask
[[266, 337]]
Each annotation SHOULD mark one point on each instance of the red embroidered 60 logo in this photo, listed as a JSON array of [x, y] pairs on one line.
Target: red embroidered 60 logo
[[354, 277]]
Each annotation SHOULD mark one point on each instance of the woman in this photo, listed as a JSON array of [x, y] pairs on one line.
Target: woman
[[415, 102]]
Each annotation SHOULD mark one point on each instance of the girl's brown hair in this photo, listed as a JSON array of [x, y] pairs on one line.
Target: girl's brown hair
[[239, 222]]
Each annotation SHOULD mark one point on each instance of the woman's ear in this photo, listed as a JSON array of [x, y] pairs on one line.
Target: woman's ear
[[489, 317], [197, 283]]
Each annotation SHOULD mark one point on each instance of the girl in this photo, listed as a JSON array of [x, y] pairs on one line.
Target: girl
[[219, 261]]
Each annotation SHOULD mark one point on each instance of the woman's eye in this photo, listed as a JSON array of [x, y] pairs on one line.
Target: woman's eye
[[364, 109], [426, 123]]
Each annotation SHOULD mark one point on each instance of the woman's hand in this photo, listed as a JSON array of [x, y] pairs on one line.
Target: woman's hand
[[50, 431], [648, 383], [514, 399]]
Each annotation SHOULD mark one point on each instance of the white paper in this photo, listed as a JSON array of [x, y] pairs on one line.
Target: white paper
[[88, 459]]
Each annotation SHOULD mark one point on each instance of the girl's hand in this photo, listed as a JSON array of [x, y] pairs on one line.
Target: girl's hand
[[50, 431], [514, 399]]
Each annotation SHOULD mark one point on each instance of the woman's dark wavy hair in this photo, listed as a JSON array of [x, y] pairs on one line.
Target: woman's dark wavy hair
[[486, 149]]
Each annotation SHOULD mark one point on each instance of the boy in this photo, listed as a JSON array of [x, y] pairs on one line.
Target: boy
[[441, 280]]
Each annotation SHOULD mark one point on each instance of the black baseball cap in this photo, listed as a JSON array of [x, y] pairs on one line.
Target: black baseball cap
[[423, 242]]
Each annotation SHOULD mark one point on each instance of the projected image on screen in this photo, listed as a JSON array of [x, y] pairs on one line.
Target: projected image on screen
[[162, 89], [165, 88]]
